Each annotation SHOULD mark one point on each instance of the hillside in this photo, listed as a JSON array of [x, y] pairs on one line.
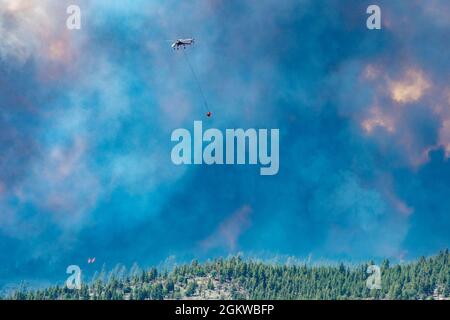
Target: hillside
[[234, 278]]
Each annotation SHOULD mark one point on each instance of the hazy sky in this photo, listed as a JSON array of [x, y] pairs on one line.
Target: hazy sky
[[86, 118]]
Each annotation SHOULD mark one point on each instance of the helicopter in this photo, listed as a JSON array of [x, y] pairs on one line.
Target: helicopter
[[182, 43], [176, 45]]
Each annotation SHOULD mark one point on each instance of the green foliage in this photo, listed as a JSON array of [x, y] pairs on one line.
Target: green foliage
[[428, 278], [191, 287], [210, 285]]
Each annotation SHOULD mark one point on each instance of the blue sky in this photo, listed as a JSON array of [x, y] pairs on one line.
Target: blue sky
[[86, 119]]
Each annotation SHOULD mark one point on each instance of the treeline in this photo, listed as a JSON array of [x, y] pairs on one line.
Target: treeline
[[235, 278]]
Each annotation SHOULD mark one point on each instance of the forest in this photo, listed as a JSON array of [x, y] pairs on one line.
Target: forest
[[241, 279]]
